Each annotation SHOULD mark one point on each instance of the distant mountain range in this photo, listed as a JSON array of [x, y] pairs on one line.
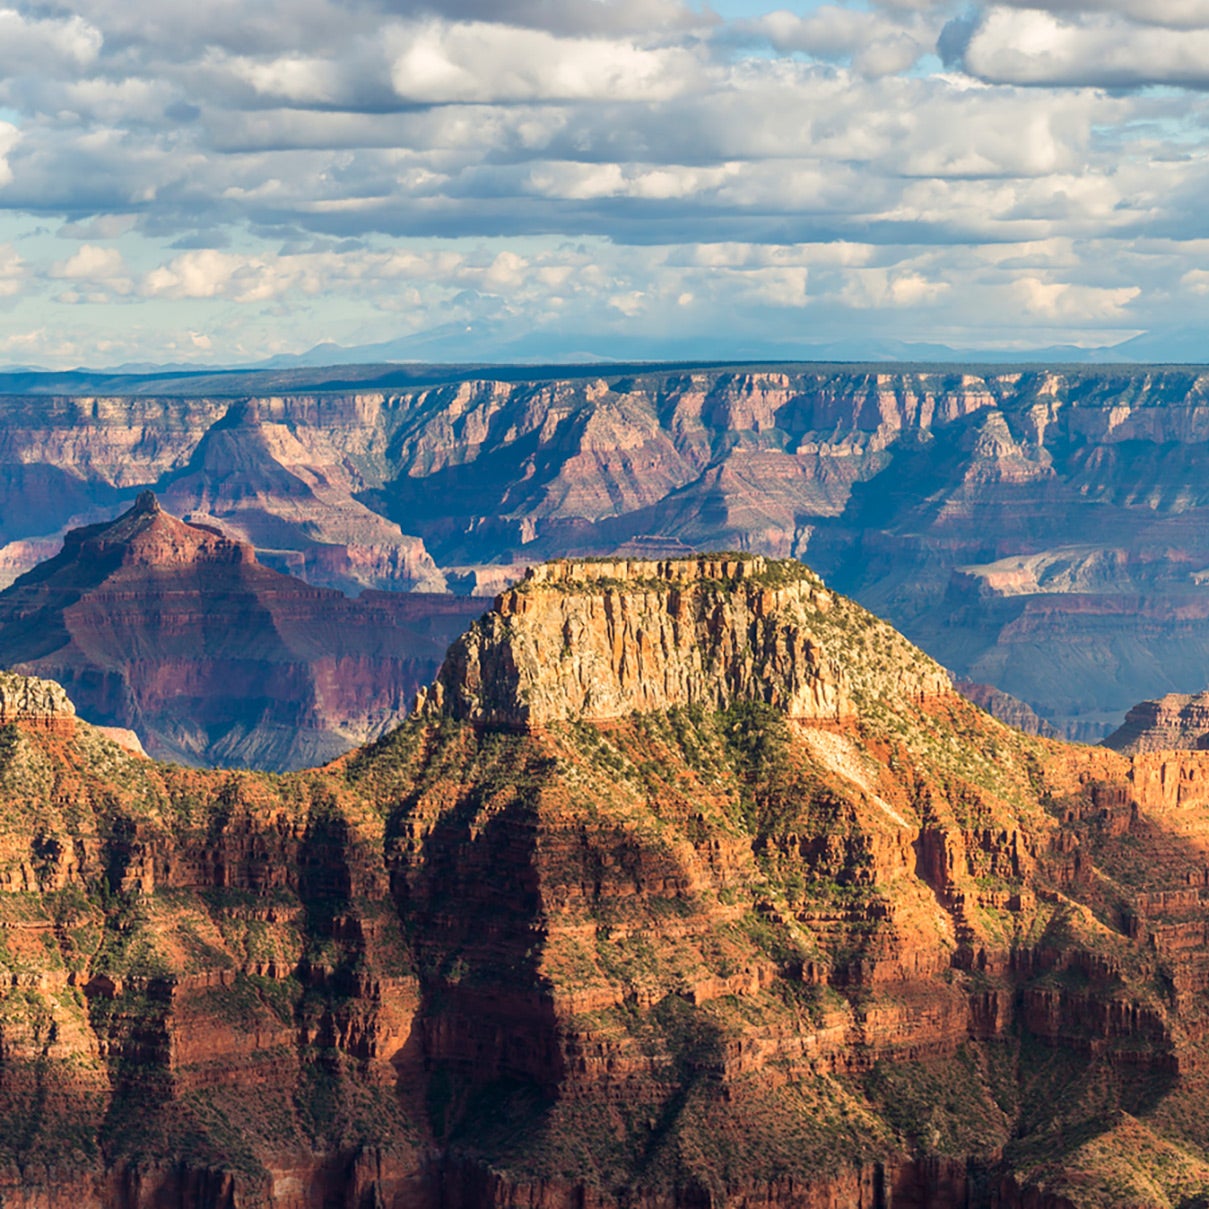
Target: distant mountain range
[[443, 352]]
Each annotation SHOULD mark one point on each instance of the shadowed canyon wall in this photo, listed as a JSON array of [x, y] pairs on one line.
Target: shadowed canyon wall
[[174, 631]]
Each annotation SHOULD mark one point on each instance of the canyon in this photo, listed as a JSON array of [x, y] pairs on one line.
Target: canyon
[[175, 632], [1041, 531], [688, 882]]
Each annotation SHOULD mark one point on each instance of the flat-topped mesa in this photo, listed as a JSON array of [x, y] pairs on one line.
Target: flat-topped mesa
[[147, 536], [35, 702], [600, 639]]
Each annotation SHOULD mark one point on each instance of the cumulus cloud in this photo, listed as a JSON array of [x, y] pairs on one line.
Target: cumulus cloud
[[441, 63], [95, 274], [876, 287], [46, 45], [1174, 14], [1072, 303], [1037, 47], [875, 43]]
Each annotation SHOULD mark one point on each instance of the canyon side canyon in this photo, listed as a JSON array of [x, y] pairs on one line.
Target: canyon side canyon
[[1039, 531], [688, 882]]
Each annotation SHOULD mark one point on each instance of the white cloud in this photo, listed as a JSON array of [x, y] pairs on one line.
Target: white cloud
[[1175, 14], [12, 271], [205, 273], [465, 62], [91, 263], [96, 275], [600, 163], [10, 136], [876, 287], [876, 43], [1064, 301], [30, 44], [1033, 46]]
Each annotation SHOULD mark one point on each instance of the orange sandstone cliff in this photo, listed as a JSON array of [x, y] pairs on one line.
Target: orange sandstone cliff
[[689, 883]]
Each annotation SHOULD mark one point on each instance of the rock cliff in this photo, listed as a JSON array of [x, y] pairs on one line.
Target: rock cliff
[[673, 949], [1006, 708], [32, 701], [1042, 531], [599, 640], [176, 632], [1176, 721]]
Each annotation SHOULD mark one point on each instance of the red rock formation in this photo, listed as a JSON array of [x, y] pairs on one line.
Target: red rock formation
[[693, 953], [1006, 708], [175, 631], [1041, 531]]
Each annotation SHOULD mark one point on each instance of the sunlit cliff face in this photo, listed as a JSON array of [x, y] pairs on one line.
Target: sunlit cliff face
[[1036, 531], [610, 957]]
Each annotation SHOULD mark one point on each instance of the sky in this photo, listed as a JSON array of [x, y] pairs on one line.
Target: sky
[[224, 181]]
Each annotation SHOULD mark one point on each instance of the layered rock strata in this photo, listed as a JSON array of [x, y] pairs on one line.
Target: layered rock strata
[[599, 640], [176, 632], [1042, 531], [1176, 721], [705, 951], [1006, 708]]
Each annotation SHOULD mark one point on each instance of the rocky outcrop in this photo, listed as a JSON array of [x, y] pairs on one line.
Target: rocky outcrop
[[32, 701], [1006, 708], [1176, 721], [598, 640], [176, 632]]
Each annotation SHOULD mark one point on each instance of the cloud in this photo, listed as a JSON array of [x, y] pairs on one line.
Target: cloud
[[597, 17], [91, 263], [12, 271], [1037, 47], [881, 288], [207, 273], [10, 136], [876, 44], [95, 275], [30, 44], [473, 62], [1072, 303], [268, 171], [1172, 14]]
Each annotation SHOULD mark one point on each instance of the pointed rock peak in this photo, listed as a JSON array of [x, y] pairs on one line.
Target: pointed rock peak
[[599, 639], [146, 535]]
